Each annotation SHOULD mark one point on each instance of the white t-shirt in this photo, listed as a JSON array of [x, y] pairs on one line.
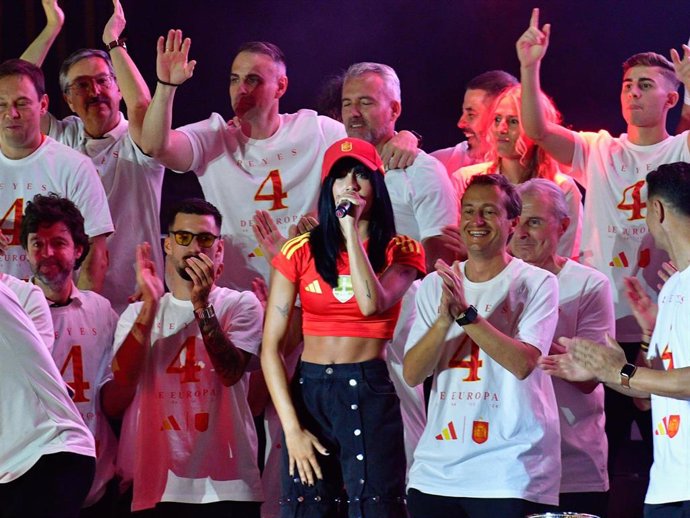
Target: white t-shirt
[[239, 175], [53, 167], [668, 478], [615, 240], [488, 434], [423, 203], [37, 415], [569, 244], [132, 183], [185, 437], [34, 303], [453, 158], [585, 309], [84, 331], [422, 197]]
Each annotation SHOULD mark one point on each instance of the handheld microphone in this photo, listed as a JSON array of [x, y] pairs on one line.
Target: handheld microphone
[[342, 208]]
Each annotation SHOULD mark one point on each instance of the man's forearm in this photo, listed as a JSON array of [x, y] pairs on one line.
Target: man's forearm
[[420, 361], [228, 361]]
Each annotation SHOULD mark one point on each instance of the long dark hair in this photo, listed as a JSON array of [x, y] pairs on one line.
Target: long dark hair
[[326, 240]]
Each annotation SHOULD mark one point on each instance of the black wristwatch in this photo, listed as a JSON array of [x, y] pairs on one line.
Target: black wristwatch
[[467, 317], [120, 42], [627, 372]]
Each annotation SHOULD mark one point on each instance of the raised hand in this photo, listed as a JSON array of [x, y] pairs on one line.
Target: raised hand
[[171, 61], [149, 283], [267, 234], [115, 24], [667, 269], [306, 223], [564, 367], [453, 295], [450, 235], [532, 45], [203, 274], [643, 308], [54, 15], [682, 66]]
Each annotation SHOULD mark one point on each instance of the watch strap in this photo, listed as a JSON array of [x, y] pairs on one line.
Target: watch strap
[[206, 313], [120, 42], [467, 317], [627, 372]]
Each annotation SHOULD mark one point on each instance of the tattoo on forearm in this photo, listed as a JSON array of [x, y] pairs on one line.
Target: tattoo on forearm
[[285, 310], [368, 289], [228, 360]]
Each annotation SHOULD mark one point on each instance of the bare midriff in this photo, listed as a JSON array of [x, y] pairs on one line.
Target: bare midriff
[[342, 349]]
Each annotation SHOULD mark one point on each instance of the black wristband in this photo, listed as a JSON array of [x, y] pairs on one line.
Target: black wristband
[[168, 84], [120, 42]]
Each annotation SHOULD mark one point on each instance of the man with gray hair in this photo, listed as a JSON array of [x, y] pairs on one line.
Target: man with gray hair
[[94, 83], [479, 94], [423, 202], [585, 309]]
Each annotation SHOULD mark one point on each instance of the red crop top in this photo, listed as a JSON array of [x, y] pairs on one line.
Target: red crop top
[[328, 311]]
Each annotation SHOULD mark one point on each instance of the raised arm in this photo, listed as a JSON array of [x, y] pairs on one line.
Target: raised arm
[[158, 139], [301, 443], [373, 294], [555, 139], [130, 358], [229, 362], [37, 51], [682, 67], [95, 265], [132, 85]]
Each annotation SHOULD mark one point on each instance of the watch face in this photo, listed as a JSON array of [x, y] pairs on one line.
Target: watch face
[[628, 370]]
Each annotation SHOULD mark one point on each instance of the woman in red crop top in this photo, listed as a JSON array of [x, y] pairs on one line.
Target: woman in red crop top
[[341, 417]]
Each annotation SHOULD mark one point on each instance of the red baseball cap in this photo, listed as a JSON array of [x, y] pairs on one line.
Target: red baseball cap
[[352, 147]]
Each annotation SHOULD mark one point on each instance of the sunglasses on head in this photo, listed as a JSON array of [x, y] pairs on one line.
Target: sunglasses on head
[[184, 238]]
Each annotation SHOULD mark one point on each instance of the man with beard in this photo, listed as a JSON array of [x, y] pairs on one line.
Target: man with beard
[[480, 93], [180, 379], [53, 236]]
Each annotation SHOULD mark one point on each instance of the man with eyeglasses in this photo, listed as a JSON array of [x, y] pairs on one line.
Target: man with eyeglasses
[[32, 163], [94, 83], [180, 379]]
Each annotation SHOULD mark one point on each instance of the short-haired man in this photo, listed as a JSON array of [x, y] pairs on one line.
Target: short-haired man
[[262, 160], [615, 237], [46, 451], [423, 200], [32, 163], [188, 437], [94, 83], [491, 446], [53, 237], [668, 220], [585, 308], [479, 94]]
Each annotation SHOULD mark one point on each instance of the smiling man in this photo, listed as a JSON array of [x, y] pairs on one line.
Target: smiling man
[[491, 446], [585, 309], [55, 243], [480, 93]]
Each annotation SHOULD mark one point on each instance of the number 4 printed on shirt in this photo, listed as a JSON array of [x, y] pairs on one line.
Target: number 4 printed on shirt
[[14, 212], [78, 384], [185, 363], [276, 195], [472, 363], [632, 201]]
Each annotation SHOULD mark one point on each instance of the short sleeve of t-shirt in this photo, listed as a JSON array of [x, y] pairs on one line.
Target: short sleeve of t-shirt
[[293, 258], [206, 138], [406, 251]]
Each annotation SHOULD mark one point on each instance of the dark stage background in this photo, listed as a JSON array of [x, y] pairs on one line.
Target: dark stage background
[[435, 46]]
